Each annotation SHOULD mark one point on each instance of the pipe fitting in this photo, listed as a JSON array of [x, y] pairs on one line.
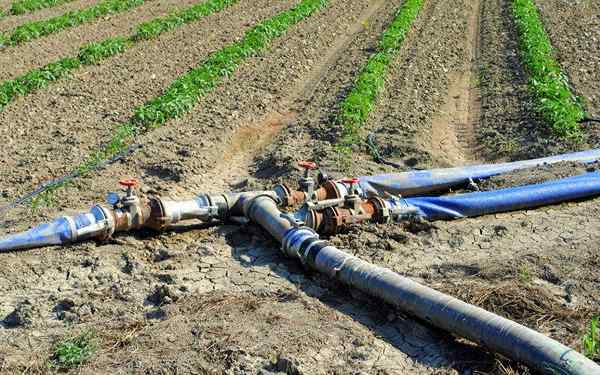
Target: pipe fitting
[[289, 197]]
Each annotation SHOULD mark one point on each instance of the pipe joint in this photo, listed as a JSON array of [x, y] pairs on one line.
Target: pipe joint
[[297, 242]]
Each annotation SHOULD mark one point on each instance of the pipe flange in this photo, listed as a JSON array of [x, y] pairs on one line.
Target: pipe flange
[[382, 213], [107, 216]]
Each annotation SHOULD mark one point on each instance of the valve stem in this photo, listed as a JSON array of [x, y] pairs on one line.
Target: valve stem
[[307, 183]]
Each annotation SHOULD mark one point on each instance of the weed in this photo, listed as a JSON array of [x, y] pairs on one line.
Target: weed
[[357, 106], [483, 73], [525, 273], [560, 109], [73, 351], [184, 93], [591, 340], [27, 6]]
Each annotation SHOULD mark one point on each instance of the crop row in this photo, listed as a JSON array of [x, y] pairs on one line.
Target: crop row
[[27, 6], [359, 103], [560, 109], [36, 29], [94, 53], [184, 93]]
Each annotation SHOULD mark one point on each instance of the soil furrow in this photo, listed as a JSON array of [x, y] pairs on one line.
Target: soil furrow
[[11, 21], [453, 138], [19, 59], [74, 117]]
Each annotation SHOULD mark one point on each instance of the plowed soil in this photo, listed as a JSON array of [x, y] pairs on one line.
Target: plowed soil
[[222, 299]]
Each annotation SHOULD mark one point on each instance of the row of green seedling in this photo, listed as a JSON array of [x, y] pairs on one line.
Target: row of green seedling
[[94, 53], [185, 92], [27, 6], [37, 29], [555, 103], [356, 107]]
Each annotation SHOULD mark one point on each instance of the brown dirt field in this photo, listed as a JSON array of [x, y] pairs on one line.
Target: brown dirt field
[[5, 3], [11, 21], [206, 299]]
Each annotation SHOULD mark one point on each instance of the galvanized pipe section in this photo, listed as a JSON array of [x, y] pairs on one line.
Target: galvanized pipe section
[[448, 313], [99, 222]]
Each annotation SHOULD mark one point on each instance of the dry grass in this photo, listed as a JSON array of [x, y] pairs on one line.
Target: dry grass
[[530, 305]]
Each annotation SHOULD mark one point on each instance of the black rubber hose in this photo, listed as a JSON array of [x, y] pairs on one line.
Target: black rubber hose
[[375, 152], [589, 119]]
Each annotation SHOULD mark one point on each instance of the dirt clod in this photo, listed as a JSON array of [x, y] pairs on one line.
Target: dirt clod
[[21, 316]]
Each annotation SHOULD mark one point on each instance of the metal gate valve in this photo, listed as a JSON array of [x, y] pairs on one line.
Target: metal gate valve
[[131, 203], [307, 182], [130, 198], [352, 199]]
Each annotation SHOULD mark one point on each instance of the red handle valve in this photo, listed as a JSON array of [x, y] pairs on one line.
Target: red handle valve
[[307, 164], [128, 182], [351, 181]]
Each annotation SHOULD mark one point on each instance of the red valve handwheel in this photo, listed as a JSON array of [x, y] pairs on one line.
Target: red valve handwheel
[[307, 164], [128, 182], [351, 181]]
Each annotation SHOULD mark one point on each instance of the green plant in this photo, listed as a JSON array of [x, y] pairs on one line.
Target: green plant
[[359, 103], [73, 351], [560, 109], [151, 29], [36, 29], [591, 340], [94, 53], [525, 274], [35, 79], [27, 6], [184, 93]]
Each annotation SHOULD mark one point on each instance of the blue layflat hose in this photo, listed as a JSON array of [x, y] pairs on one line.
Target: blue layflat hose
[[423, 182], [511, 199]]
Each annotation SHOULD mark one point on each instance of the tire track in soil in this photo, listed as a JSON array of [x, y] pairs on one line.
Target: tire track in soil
[[453, 129], [17, 60], [11, 21]]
